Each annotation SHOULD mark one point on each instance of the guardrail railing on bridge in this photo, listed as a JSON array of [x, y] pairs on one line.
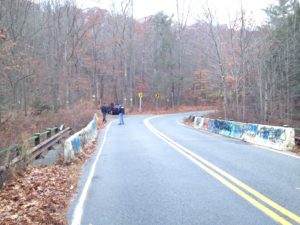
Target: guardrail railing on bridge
[[31, 148], [20, 155]]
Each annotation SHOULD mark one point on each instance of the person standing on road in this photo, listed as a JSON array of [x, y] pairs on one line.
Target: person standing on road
[[104, 110], [121, 115]]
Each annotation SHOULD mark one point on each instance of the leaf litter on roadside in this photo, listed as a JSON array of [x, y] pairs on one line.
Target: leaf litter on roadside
[[41, 195]]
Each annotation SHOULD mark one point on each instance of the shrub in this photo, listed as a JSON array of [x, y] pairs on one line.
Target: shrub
[[39, 106]]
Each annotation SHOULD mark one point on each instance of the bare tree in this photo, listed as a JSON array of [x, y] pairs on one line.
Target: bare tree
[[214, 32]]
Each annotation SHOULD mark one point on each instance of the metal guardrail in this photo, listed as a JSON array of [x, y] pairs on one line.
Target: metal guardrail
[[33, 146], [34, 139], [41, 147]]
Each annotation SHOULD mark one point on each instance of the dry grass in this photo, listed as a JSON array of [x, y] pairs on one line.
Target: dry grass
[[19, 127]]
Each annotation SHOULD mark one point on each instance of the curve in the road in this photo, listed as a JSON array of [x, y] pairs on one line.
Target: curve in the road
[[229, 181], [289, 154]]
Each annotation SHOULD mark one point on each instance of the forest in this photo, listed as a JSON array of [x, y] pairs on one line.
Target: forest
[[59, 59]]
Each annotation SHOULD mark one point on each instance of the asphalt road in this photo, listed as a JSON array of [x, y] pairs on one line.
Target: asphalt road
[[157, 171]]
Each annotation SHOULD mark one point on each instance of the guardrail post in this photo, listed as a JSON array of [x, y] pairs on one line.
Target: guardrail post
[[61, 127], [48, 132], [37, 138], [55, 130]]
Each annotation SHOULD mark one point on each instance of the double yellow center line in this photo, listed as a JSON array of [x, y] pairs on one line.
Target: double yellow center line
[[231, 182]]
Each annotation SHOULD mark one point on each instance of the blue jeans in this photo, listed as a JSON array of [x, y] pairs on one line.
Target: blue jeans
[[121, 118]]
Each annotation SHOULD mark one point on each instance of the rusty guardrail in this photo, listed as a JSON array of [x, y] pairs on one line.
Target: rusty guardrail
[[41, 147], [33, 146]]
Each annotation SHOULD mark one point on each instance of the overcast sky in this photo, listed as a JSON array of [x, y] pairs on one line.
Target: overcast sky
[[143, 8]]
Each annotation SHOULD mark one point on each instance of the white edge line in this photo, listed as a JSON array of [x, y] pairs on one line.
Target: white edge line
[[290, 154], [77, 214], [181, 123]]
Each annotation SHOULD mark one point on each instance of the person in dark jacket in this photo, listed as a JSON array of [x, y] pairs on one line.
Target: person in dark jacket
[[121, 115], [104, 110]]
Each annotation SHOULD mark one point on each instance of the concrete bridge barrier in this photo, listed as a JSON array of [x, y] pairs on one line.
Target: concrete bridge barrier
[[280, 138], [75, 143]]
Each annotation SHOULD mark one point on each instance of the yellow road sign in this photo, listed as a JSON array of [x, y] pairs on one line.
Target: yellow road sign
[[141, 94]]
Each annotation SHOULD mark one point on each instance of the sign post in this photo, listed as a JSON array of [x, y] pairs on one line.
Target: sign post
[[140, 97], [157, 94]]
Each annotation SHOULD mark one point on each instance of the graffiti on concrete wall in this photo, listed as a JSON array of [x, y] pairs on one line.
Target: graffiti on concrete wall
[[198, 121], [238, 129], [249, 132], [74, 144], [272, 134], [276, 137], [206, 123]]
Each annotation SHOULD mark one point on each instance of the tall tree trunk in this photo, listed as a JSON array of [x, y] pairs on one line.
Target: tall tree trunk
[[219, 58]]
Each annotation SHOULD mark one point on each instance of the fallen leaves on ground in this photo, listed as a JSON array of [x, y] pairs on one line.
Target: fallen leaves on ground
[[89, 149], [42, 194]]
